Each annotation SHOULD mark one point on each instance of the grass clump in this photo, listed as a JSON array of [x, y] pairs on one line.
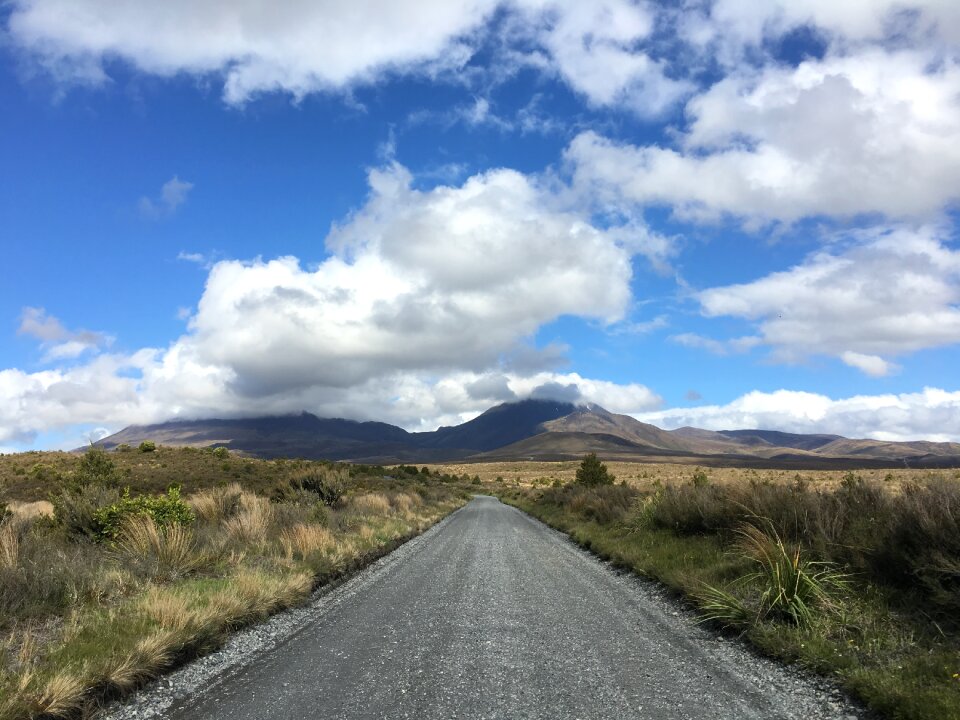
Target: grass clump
[[785, 584], [857, 580], [117, 587]]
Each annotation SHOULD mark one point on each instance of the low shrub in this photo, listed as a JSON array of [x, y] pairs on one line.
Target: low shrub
[[77, 508], [164, 510], [147, 446]]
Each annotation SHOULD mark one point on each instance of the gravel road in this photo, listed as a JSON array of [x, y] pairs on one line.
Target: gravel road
[[490, 614]]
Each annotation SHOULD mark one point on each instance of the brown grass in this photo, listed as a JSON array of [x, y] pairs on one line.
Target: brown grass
[[370, 504], [302, 540], [252, 521], [169, 551], [212, 506]]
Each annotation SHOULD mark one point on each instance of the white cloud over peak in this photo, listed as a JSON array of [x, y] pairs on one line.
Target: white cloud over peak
[[932, 414], [886, 295], [426, 292]]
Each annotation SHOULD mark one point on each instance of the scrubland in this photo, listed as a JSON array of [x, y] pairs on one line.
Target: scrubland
[[851, 576], [115, 567]]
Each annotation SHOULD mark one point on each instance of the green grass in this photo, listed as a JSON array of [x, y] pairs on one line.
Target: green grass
[[875, 640]]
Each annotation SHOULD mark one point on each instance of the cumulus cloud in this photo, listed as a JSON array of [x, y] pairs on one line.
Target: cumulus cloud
[[172, 195], [601, 50], [875, 132], [932, 414], [302, 48], [423, 312], [887, 294], [257, 47], [730, 29]]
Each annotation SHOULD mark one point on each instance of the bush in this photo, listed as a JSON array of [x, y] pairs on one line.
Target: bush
[[593, 472], [76, 508], [601, 503], [96, 468], [221, 453], [165, 510], [147, 446], [327, 484]]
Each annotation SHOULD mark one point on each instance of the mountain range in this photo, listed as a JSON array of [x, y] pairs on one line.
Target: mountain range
[[535, 430]]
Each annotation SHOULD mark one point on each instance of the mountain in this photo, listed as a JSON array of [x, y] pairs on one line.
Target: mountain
[[536, 430]]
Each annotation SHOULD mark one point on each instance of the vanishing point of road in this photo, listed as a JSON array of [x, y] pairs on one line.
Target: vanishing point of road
[[494, 615]]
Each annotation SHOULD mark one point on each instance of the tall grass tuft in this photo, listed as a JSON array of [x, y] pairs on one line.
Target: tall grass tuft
[[249, 526], [790, 586], [162, 552], [301, 541], [217, 504]]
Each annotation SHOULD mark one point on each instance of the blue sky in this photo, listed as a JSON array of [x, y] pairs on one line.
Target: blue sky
[[695, 213]]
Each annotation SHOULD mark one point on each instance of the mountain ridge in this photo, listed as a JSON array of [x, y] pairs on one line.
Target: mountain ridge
[[533, 429]]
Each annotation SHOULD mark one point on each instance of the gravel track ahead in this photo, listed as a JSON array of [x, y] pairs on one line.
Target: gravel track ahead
[[492, 614]]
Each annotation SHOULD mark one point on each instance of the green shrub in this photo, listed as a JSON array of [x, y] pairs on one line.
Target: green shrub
[[147, 446], [221, 453], [327, 485], [593, 472], [700, 478], [122, 447], [95, 468], [76, 508], [165, 510]]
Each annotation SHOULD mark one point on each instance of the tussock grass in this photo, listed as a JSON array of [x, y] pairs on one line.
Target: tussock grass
[[857, 581], [164, 552], [301, 541], [9, 546], [84, 617], [213, 506], [788, 585], [370, 504], [251, 522]]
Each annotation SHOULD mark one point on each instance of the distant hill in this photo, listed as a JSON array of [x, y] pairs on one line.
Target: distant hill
[[540, 430]]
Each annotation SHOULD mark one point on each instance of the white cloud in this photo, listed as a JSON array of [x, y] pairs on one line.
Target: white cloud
[[872, 365], [57, 341], [932, 414], [173, 194], [425, 294], [717, 347], [732, 28], [598, 49], [889, 294], [295, 47], [875, 132]]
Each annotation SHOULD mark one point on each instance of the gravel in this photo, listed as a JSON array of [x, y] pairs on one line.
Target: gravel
[[489, 614]]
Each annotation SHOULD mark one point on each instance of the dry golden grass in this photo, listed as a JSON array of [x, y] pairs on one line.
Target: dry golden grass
[[300, 541], [9, 545], [212, 506], [252, 521], [30, 510], [406, 503], [172, 549], [370, 504], [60, 696], [644, 475]]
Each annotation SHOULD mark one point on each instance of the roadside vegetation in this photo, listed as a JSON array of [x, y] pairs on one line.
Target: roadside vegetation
[[856, 579], [115, 567]]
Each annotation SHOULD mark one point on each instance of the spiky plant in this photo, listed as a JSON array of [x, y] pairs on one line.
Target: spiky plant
[[791, 587]]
